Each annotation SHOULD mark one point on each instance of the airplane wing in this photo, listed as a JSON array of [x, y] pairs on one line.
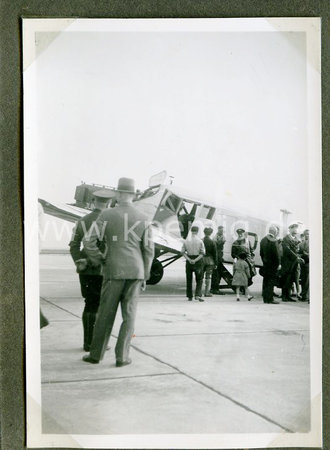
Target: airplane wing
[[73, 213], [62, 211]]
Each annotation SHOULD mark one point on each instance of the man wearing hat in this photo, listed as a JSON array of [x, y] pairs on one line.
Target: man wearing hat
[[270, 255], [290, 262], [219, 241], [304, 253], [193, 250], [130, 253], [90, 277], [209, 259]]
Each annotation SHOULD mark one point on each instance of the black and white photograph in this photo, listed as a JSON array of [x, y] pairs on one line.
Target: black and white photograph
[[173, 232]]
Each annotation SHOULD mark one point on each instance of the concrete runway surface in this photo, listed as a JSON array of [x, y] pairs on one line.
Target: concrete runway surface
[[213, 367]]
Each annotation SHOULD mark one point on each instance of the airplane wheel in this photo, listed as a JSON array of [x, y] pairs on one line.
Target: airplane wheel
[[156, 273]]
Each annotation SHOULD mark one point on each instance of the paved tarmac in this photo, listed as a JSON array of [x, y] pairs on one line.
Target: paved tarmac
[[213, 367]]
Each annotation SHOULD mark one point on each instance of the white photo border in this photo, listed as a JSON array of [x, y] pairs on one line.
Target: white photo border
[[35, 437]]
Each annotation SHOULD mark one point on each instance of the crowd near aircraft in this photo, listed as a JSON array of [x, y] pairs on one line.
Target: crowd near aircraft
[[172, 212]]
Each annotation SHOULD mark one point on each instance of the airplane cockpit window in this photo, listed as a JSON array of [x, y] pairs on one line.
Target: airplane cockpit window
[[253, 238], [168, 207], [172, 202], [206, 212], [149, 192]]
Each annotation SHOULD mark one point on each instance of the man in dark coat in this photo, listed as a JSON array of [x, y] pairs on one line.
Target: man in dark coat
[[219, 241], [90, 277], [304, 253], [290, 262], [209, 259], [130, 252], [270, 256]]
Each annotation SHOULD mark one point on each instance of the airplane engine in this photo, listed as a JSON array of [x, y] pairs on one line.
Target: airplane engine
[[156, 273]]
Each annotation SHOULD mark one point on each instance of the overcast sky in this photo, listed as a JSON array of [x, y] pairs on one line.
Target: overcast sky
[[224, 113]]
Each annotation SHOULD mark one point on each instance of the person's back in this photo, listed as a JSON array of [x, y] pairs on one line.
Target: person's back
[[127, 267], [210, 248], [81, 229], [124, 232]]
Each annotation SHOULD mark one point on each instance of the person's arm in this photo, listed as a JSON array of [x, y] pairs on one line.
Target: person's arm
[[91, 241], [250, 248], [262, 252], [75, 242], [148, 251], [234, 250], [184, 253], [289, 252]]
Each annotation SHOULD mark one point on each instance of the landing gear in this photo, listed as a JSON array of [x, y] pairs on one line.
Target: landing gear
[[156, 273]]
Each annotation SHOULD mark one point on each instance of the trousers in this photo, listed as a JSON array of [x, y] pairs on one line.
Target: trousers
[[268, 284], [305, 281], [216, 276], [197, 269], [91, 290], [115, 292]]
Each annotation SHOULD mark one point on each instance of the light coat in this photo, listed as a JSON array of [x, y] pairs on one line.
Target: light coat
[[130, 249]]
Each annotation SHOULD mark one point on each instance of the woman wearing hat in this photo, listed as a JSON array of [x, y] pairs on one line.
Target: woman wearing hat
[[242, 244]]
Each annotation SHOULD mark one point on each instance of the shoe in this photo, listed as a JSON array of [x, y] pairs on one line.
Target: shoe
[[250, 298], [289, 299], [123, 363], [237, 299], [189, 299], [274, 302], [200, 299], [89, 359]]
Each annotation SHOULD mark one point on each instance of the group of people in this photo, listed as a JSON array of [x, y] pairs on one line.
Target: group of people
[[204, 259], [113, 251], [285, 264]]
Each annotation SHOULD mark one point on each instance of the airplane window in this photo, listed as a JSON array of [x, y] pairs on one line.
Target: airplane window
[[150, 192], [172, 202], [211, 213], [253, 238], [206, 212]]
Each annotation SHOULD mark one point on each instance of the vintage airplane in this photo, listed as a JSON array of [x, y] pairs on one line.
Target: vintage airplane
[[172, 213]]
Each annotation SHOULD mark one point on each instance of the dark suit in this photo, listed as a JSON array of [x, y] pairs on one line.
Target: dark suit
[[289, 263], [90, 278], [304, 253], [128, 262], [219, 241], [269, 252]]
